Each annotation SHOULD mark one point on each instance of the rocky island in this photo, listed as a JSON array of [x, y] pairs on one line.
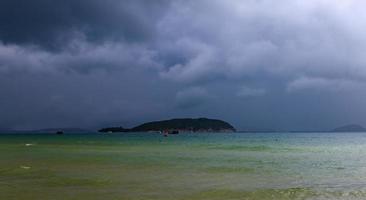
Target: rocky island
[[350, 128], [181, 125]]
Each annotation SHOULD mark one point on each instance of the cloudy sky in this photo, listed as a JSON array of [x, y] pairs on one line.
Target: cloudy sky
[[276, 64]]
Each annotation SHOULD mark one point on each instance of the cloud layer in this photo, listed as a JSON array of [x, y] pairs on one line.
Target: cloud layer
[[291, 64]]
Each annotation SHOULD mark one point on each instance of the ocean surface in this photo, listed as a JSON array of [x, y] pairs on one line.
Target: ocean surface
[[146, 166]]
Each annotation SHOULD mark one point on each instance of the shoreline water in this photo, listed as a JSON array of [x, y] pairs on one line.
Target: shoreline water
[[185, 166]]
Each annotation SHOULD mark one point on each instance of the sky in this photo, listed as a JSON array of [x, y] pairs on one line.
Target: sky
[[258, 64]]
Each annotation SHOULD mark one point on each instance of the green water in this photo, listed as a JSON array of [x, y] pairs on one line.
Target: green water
[[183, 167]]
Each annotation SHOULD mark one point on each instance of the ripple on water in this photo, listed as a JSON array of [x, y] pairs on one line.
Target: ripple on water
[[279, 194], [242, 147]]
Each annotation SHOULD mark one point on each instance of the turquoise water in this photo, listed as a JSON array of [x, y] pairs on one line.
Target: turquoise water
[[186, 166]]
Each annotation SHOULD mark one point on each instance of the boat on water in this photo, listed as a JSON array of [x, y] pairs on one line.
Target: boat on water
[[170, 132], [174, 132], [59, 132]]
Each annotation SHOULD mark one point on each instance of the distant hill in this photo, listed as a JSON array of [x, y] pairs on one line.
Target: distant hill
[[186, 124], [114, 129], [65, 130], [50, 130], [350, 128]]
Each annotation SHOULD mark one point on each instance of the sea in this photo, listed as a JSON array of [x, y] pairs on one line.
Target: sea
[[187, 166]]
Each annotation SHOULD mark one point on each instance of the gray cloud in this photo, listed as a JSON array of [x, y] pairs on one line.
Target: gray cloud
[[251, 92], [336, 85], [192, 97], [52, 24], [94, 63]]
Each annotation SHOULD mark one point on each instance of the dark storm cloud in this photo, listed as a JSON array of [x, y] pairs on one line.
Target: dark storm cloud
[[290, 64], [51, 23], [192, 97]]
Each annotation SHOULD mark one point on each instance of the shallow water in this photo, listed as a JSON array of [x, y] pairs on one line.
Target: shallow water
[[184, 167]]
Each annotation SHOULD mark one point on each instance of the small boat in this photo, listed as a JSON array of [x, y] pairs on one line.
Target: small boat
[[59, 132], [173, 132]]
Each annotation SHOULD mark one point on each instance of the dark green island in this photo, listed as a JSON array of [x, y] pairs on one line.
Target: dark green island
[[177, 125]]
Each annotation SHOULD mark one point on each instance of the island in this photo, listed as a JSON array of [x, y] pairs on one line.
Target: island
[[177, 125], [350, 128]]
